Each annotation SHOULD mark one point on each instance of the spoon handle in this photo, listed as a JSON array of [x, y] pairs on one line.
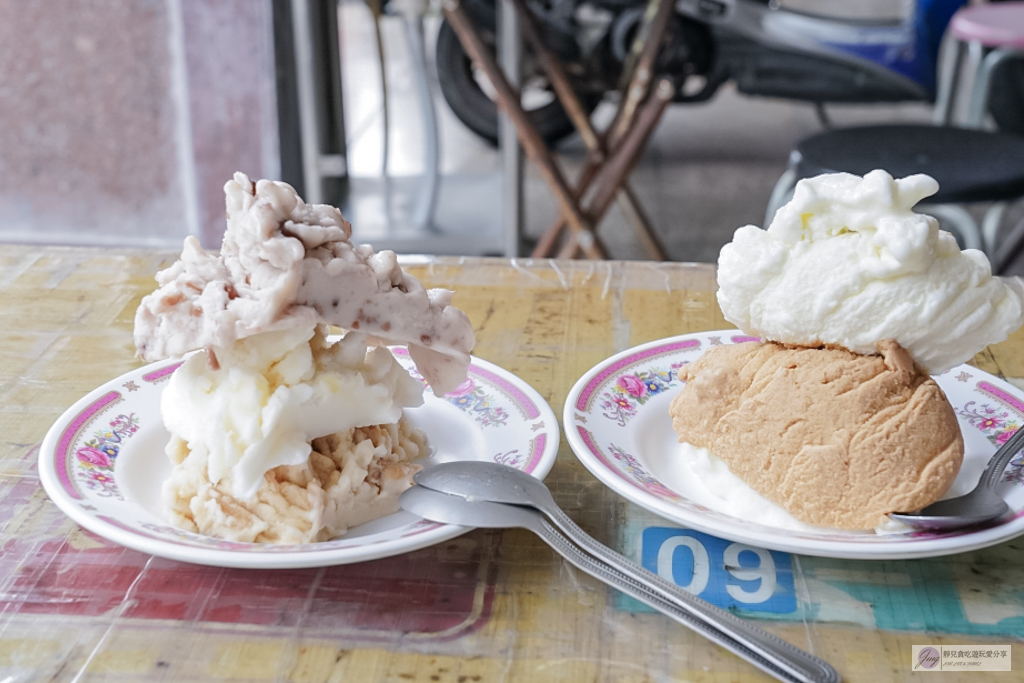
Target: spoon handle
[[672, 593], [994, 469], [758, 647]]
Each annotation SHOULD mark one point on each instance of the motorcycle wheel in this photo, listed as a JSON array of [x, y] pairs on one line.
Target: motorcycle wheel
[[475, 108]]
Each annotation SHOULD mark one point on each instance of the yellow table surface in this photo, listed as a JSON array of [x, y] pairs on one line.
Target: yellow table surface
[[487, 606]]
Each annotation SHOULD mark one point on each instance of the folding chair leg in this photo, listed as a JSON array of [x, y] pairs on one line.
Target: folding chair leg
[[950, 54], [536, 150], [983, 81], [556, 74], [612, 174], [640, 65], [1009, 248], [783, 190], [630, 206], [644, 52], [591, 139], [626, 154], [990, 227]]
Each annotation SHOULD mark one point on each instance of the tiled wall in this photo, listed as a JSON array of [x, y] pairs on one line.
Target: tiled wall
[[120, 120]]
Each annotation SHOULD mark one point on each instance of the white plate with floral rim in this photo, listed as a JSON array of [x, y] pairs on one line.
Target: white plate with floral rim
[[617, 422], [103, 464]]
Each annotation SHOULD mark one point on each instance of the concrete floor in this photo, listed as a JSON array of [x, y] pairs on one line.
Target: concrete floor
[[709, 168]]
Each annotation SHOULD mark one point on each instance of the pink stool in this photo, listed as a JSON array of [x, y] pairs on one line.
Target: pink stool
[[997, 29]]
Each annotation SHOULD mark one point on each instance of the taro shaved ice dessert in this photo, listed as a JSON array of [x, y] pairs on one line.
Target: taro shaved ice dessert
[[279, 434], [857, 299]]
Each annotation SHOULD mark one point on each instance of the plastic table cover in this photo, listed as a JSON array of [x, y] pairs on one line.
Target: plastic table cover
[[486, 606]]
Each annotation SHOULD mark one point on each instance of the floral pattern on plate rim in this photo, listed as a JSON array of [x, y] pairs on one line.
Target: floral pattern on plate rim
[[524, 461], [629, 464], [997, 425], [96, 457], [472, 397], [633, 389], [622, 367]]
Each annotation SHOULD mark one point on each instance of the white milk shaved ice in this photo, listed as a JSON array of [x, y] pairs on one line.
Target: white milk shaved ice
[[290, 439], [848, 262], [275, 392]]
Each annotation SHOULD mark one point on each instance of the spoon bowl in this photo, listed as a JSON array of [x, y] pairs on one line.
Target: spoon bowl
[[981, 505], [474, 480], [482, 514]]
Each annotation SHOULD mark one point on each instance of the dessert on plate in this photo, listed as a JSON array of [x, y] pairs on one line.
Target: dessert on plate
[[857, 300], [279, 434]]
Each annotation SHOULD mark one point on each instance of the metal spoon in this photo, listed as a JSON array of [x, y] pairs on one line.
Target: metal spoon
[[477, 480], [980, 505], [765, 651]]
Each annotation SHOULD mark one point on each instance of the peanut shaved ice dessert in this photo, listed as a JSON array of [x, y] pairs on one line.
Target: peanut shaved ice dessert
[[279, 435], [857, 299]]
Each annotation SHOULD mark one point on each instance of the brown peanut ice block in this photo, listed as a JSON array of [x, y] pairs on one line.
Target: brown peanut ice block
[[836, 438]]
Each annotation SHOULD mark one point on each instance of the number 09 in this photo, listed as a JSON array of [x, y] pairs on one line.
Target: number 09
[[763, 571]]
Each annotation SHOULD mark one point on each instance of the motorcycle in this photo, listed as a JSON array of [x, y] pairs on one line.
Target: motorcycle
[[763, 48]]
